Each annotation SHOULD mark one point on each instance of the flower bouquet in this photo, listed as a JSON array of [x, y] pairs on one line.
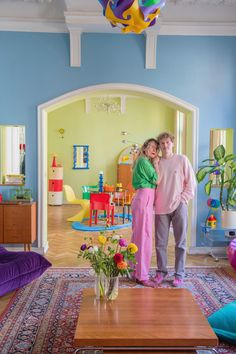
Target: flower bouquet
[[110, 255]]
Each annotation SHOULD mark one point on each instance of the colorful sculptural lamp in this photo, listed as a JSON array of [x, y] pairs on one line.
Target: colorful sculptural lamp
[[133, 15]]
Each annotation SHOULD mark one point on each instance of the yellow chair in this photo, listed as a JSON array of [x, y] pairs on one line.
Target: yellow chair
[[70, 195], [71, 199]]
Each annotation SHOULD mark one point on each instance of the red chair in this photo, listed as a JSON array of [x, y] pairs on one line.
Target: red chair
[[101, 201]]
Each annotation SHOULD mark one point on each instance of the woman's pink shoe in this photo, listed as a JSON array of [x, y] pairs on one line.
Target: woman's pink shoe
[[178, 282], [159, 278], [148, 283]]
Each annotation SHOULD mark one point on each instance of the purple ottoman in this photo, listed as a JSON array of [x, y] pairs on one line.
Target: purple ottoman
[[19, 268]]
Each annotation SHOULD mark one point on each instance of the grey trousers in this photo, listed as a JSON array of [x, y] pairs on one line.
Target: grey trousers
[[179, 219]]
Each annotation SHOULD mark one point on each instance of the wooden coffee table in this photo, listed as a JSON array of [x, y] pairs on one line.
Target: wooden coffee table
[[142, 319]]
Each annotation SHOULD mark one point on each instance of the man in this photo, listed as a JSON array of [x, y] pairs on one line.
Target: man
[[175, 188]]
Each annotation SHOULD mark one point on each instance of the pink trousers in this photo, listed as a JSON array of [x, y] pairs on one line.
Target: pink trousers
[[142, 227]]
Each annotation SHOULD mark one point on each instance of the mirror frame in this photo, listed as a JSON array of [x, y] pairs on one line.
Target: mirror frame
[[15, 179], [80, 157]]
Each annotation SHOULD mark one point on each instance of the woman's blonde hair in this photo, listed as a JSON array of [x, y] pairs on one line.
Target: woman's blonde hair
[[145, 145], [143, 149]]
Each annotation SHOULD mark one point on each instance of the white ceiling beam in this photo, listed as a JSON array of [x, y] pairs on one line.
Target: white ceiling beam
[[151, 48], [76, 21], [75, 47]]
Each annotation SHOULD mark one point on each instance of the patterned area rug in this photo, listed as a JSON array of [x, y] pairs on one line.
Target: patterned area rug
[[41, 318]]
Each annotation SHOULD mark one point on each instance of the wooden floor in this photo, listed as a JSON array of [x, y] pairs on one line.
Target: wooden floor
[[64, 242], [64, 245]]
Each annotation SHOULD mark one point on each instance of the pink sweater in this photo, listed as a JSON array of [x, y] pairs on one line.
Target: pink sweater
[[177, 183]]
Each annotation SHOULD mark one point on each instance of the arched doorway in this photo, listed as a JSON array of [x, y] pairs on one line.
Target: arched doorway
[[45, 108]]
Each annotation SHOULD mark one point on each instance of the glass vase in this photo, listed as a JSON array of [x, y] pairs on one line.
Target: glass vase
[[106, 288], [112, 287], [100, 286]]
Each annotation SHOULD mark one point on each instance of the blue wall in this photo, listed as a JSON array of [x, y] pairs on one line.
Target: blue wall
[[34, 68]]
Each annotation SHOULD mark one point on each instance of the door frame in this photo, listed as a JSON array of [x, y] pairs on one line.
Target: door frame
[[67, 98]]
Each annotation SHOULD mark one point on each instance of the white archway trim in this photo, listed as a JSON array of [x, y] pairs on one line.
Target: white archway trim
[[81, 93]]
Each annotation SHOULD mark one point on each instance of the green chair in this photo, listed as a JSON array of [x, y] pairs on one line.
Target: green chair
[[87, 190]]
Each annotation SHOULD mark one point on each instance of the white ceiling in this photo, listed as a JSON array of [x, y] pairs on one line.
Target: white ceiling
[[184, 17]]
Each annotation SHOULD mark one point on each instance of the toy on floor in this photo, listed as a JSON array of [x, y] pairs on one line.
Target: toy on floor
[[231, 252], [101, 201], [84, 203], [83, 213], [79, 226], [109, 188], [213, 203], [86, 190], [211, 221], [100, 181]]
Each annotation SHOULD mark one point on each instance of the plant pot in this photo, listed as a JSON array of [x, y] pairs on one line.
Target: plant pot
[[228, 219]]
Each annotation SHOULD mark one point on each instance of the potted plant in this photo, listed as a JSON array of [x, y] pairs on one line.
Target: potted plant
[[224, 168]]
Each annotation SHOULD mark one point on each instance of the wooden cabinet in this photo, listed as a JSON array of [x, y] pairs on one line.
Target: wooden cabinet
[[18, 223], [124, 176], [1, 224]]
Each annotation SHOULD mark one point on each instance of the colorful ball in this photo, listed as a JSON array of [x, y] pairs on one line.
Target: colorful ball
[[209, 202], [231, 252], [213, 203]]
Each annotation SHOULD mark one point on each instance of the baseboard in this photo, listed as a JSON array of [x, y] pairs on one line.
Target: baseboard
[[206, 250], [40, 250]]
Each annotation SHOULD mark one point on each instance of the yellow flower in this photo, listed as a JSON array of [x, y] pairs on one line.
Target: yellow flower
[[102, 239], [132, 248]]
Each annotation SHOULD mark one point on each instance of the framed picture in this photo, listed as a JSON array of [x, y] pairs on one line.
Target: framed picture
[[80, 157]]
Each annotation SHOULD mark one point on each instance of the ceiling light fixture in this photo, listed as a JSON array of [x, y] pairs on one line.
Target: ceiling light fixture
[[132, 16]]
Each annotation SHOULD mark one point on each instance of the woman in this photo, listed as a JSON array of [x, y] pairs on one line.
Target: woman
[[144, 182]]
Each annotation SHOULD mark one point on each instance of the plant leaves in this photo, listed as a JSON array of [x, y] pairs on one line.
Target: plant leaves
[[230, 157], [219, 152], [211, 160], [233, 166], [208, 187], [232, 202], [221, 161], [202, 172]]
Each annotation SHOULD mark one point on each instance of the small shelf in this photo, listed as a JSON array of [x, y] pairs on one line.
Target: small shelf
[[215, 237]]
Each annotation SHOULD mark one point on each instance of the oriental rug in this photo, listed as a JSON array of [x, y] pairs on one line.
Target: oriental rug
[[41, 317]]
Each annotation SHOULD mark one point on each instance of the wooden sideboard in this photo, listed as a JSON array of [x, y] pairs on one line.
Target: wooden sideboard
[[18, 223]]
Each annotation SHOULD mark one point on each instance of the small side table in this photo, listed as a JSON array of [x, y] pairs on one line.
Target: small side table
[[216, 237]]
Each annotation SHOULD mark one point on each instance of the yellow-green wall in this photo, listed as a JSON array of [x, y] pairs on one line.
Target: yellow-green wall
[[143, 118]]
